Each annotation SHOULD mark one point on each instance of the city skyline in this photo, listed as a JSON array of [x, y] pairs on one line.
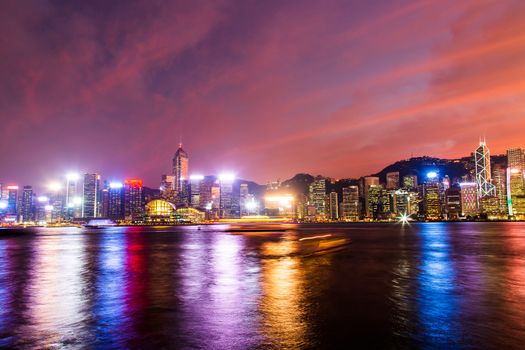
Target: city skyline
[[113, 92]]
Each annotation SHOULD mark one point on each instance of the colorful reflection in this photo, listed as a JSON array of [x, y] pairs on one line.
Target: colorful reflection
[[437, 299], [284, 321], [57, 296], [109, 283], [220, 288]]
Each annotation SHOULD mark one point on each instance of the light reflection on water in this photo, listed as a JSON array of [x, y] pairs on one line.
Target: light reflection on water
[[417, 286]]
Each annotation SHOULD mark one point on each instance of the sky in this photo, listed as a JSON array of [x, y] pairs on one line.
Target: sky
[[265, 89]]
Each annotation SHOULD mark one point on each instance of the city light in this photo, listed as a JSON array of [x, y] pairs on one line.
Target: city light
[[115, 185], [42, 199], [432, 174], [284, 201], [72, 177], [514, 170], [3, 204], [404, 218], [251, 205], [196, 177], [77, 201], [54, 186], [48, 208], [12, 187], [467, 184], [227, 177]]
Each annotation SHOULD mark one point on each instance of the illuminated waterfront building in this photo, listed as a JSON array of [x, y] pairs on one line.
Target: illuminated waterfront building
[[244, 193], [133, 198], [499, 179], [392, 180], [516, 193], [469, 199], [516, 158], [160, 211], [181, 175], [73, 207], [91, 196], [26, 208], [317, 192], [333, 203], [366, 183], [432, 209], [116, 201], [167, 191], [489, 207], [485, 188], [226, 182], [277, 203], [196, 182], [373, 201], [410, 182], [401, 203], [104, 202], [350, 203], [12, 200], [453, 202]]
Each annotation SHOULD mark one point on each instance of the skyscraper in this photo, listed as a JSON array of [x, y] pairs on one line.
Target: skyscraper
[[516, 193], [181, 175], [516, 158], [392, 180], [318, 196], [499, 179], [26, 210], [91, 195], [410, 182], [485, 188], [116, 201], [469, 199], [196, 182], [333, 205], [12, 200], [244, 193], [350, 203], [226, 182], [133, 198], [367, 183]]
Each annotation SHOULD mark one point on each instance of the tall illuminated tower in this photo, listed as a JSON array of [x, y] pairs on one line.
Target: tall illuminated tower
[[91, 194], [180, 175], [484, 184]]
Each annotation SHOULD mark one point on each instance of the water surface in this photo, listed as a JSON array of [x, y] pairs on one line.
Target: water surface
[[435, 285]]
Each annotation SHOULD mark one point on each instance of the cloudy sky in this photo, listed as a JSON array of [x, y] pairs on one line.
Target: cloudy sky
[[264, 88]]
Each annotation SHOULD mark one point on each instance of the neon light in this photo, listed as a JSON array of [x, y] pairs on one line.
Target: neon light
[[12, 187]]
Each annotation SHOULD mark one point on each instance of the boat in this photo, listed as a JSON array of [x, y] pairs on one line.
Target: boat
[[100, 223]]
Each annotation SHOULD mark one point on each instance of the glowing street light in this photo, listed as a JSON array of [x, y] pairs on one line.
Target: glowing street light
[[404, 218]]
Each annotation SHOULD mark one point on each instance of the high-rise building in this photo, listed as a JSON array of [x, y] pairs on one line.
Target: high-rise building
[[91, 195], [516, 158], [366, 183], [485, 188], [373, 201], [499, 179], [226, 182], [133, 199], [401, 202], [244, 195], [116, 201], [453, 201], [469, 199], [318, 196], [410, 182], [432, 197], [104, 201], [26, 210], [333, 202], [12, 200], [392, 180], [350, 202], [196, 182], [516, 193], [181, 175]]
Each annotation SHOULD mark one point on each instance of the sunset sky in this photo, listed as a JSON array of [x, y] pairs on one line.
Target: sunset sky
[[264, 88]]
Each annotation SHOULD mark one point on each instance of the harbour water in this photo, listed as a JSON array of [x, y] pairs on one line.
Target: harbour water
[[426, 285]]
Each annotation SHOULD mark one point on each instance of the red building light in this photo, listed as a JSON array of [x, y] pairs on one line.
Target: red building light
[[134, 183]]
